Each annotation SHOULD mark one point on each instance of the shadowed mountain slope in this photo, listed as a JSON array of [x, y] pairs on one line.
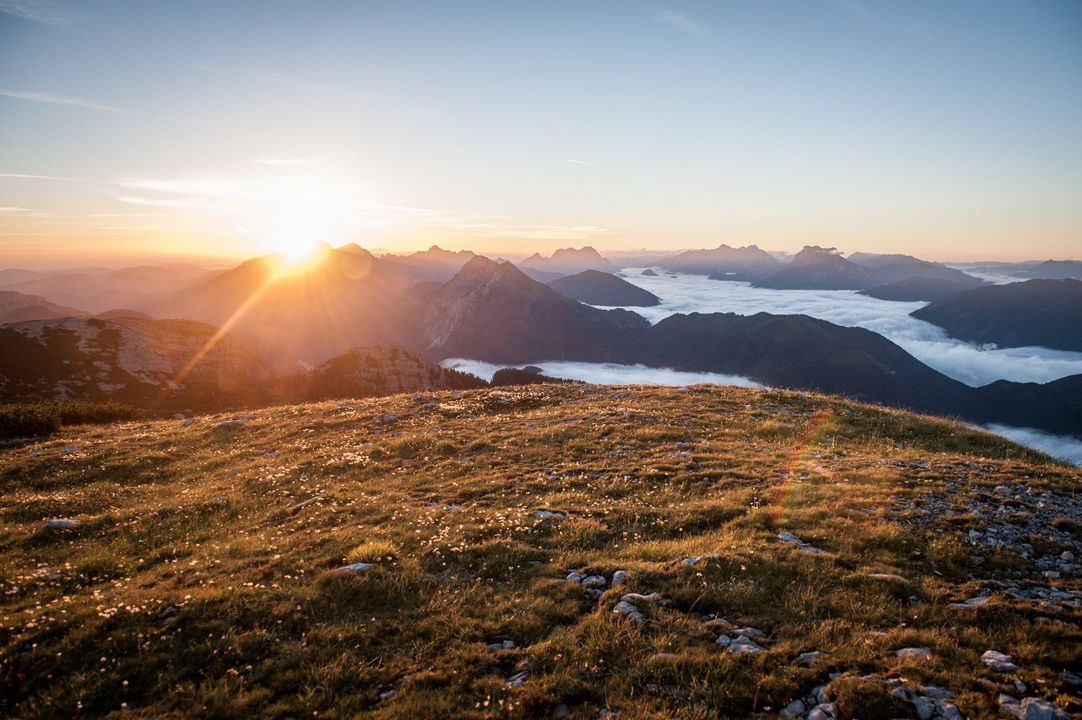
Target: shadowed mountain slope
[[599, 288], [1036, 312]]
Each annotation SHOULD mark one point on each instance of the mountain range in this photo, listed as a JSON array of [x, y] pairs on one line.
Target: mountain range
[[279, 324]]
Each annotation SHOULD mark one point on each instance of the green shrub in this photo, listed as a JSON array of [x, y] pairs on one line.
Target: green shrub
[[36, 419], [28, 420]]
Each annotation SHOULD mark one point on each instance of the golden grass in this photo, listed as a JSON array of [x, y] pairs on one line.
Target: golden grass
[[201, 579]]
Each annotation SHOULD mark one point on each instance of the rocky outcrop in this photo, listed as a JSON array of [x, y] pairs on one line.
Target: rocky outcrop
[[381, 370], [154, 364]]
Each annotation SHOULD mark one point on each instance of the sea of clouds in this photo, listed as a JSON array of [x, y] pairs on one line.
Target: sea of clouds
[[971, 364], [607, 373]]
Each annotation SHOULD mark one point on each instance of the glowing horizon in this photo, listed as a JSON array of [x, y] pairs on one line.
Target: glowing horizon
[[951, 133]]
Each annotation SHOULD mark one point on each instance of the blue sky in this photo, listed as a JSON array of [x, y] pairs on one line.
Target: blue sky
[[946, 129]]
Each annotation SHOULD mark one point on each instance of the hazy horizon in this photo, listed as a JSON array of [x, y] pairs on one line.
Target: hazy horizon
[[949, 132]]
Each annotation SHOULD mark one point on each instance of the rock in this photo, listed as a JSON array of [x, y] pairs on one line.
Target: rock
[[920, 653], [1030, 708], [61, 523], [749, 632], [724, 640], [355, 568], [971, 602], [502, 645], [562, 711], [809, 658], [791, 539], [794, 709], [576, 577], [998, 662], [548, 515], [619, 578], [238, 422], [823, 711], [594, 581], [639, 597], [187, 421], [1070, 678], [745, 646], [936, 692], [629, 610], [387, 694], [888, 577], [518, 679], [924, 706], [948, 710]]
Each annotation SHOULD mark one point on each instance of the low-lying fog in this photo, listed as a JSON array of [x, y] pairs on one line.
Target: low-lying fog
[[962, 361]]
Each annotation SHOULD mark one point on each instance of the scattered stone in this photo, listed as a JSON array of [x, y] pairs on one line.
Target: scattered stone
[[809, 658], [998, 662], [502, 645], [971, 602], [355, 568], [794, 709], [1070, 678], [1030, 708], [625, 608], [888, 577], [61, 523], [619, 578], [823, 711], [594, 581], [187, 421], [920, 653], [238, 422], [791, 539], [548, 515], [518, 679], [745, 646], [724, 640], [387, 695], [575, 577]]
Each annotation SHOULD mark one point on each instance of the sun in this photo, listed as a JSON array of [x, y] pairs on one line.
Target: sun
[[297, 237]]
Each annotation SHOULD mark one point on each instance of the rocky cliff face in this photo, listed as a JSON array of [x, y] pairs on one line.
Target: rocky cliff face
[[381, 370], [158, 364]]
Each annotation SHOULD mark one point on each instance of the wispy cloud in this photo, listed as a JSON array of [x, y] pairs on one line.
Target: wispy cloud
[[162, 202], [44, 12], [58, 99], [682, 22], [278, 162], [573, 161], [27, 176]]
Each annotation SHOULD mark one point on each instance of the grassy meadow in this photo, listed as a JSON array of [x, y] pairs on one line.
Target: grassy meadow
[[201, 575]]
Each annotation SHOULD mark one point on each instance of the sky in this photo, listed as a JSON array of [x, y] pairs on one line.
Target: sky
[[949, 130]]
